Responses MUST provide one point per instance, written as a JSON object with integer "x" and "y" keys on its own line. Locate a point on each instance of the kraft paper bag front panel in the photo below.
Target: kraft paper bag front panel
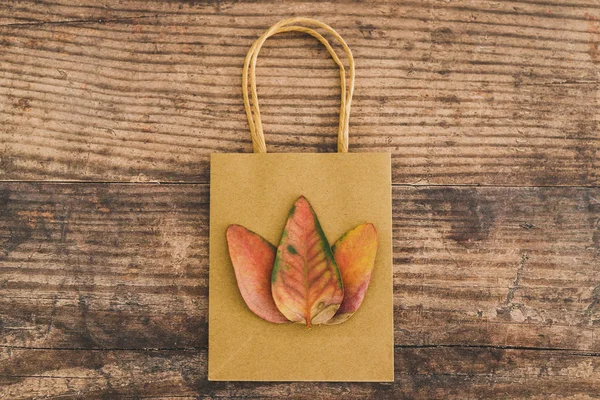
{"x": 257, "y": 191}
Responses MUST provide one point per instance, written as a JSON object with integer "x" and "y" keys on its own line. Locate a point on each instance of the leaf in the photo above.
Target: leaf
{"x": 354, "y": 254}
{"x": 306, "y": 283}
{"x": 252, "y": 257}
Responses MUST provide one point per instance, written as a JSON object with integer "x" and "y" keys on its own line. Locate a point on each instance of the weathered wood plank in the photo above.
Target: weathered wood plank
{"x": 105, "y": 266}
{"x": 103, "y": 286}
{"x": 103, "y": 293}
{"x": 104, "y": 253}
{"x": 26, "y": 374}
{"x": 491, "y": 93}
{"x": 420, "y": 373}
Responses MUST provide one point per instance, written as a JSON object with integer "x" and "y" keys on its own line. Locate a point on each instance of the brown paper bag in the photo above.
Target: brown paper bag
{"x": 257, "y": 191}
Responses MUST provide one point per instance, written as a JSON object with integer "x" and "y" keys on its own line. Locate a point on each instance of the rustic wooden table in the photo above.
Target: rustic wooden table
{"x": 109, "y": 111}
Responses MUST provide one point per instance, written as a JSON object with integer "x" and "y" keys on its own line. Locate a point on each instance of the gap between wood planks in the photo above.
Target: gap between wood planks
{"x": 419, "y": 185}
{"x": 573, "y": 352}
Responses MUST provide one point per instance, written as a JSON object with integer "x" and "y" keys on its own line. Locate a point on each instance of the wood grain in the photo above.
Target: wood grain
{"x": 461, "y": 92}
{"x": 490, "y": 111}
{"x": 103, "y": 292}
{"x": 421, "y": 373}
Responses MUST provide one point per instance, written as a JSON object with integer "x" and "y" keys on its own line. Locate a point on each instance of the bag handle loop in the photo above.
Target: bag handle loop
{"x": 249, "y": 76}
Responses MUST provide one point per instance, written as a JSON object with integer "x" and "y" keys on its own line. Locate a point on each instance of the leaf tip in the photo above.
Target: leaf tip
{"x": 233, "y": 230}
{"x": 302, "y": 200}
{"x": 369, "y": 229}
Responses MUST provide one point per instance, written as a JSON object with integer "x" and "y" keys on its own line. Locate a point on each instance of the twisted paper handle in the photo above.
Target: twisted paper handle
{"x": 249, "y": 76}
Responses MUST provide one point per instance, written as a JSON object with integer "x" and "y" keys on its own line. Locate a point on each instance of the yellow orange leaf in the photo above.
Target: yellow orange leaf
{"x": 354, "y": 254}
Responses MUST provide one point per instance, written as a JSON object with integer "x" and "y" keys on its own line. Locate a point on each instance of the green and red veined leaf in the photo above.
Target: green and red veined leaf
{"x": 306, "y": 283}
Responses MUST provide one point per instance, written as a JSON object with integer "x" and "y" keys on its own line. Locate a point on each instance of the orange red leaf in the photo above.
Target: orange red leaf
{"x": 252, "y": 257}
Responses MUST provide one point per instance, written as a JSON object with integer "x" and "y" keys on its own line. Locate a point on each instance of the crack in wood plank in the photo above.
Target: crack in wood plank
{"x": 515, "y": 285}
{"x": 69, "y": 22}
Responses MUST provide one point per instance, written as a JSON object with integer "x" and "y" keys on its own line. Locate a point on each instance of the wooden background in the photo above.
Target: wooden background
{"x": 109, "y": 111}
